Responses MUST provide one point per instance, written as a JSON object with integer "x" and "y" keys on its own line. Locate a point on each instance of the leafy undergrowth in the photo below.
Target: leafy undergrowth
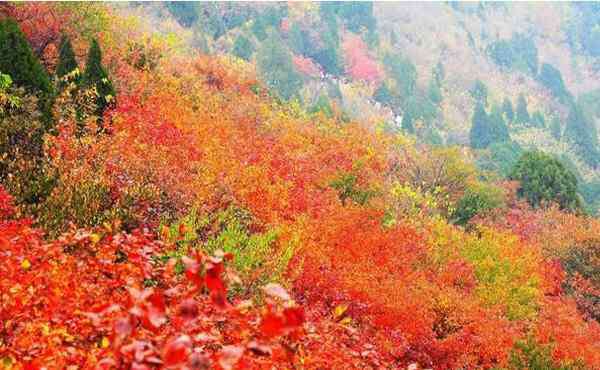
{"x": 96, "y": 299}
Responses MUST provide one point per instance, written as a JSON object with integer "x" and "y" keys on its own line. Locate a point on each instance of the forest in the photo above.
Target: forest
{"x": 302, "y": 185}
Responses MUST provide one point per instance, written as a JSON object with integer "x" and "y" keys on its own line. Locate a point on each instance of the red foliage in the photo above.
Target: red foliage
{"x": 359, "y": 63}
{"x": 6, "y": 204}
{"x": 65, "y": 303}
{"x": 306, "y": 66}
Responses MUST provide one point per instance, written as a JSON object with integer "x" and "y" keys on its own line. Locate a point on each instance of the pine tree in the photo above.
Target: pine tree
{"x": 522, "y": 113}
{"x": 555, "y": 128}
{"x": 581, "y": 132}
{"x": 434, "y": 92}
{"x": 552, "y": 79}
{"x": 276, "y": 68}
{"x": 538, "y": 120}
{"x": 393, "y": 38}
{"x": 479, "y": 92}
{"x": 95, "y": 76}
{"x": 322, "y": 105}
{"x": 243, "y": 48}
{"x": 18, "y": 61}
{"x": 507, "y": 109}
{"x": 438, "y": 73}
{"x": 383, "y": 95}
{"x": 66, "y": 58}
{"x": 407, "y": 123}
{"x": 480, "y": 134}
{"x": 498, "y": 129}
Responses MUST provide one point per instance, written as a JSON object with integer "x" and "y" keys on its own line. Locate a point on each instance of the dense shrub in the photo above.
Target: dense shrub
{"x": 476, "y": 201}
{"x": 544, "y": 179}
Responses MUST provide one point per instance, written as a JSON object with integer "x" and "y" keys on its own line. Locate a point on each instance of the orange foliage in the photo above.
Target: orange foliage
{"x": 201, "y": 132}
{"x": 387, "y": 277}
{"x": 560, "y": 324}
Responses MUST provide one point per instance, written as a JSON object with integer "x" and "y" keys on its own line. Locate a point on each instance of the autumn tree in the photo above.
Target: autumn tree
{"x": 477, "y": 200}
{"x": 96, "y": 77}
{"x": 360, "y": 65}
{"x": 544, "y": 179}
{"x": 21, "y": 144}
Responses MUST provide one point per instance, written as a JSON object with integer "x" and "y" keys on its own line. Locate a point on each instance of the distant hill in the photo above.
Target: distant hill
{"x": 425, "y": 66}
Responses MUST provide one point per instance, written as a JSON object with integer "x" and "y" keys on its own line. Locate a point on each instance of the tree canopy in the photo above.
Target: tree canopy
{"x": 544, "y": 179}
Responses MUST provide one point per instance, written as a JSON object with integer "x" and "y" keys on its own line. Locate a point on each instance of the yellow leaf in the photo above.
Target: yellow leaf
{"x": 107, "y": 226}
{"x": 339, "y": 311}
{"x": 346, "y": 321}
{"x": 26, "y": 265}
{"x": 104, "y": 343}
{"x": 95, "y": 238}
{"x": 7, "y": 362}
{"x": 45, "y": 329}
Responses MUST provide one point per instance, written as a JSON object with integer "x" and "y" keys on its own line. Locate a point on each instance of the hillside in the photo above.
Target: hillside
{"x": 297, "y": 186}
{"x": 377, "y": 62}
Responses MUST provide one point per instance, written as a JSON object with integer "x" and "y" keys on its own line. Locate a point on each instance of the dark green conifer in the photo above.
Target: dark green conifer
{"x": 499, "y": 129}
{"x": 542, "y": 178}
{"x": 95, "y": 76}
{"x": 407, "y": 123}
{"x": 507, "y": 109}
{"x": 555, "y": 128}
{"x": 583, "y": 134}
{"x": 480, "y": 129}
{"x": 18, "y": 61}
{"x": 522, "y": 113}
{"x": 66, "y": 58}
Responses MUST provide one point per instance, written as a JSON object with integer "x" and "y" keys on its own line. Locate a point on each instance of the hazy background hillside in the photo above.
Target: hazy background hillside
{"x": 424, "y": 68}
